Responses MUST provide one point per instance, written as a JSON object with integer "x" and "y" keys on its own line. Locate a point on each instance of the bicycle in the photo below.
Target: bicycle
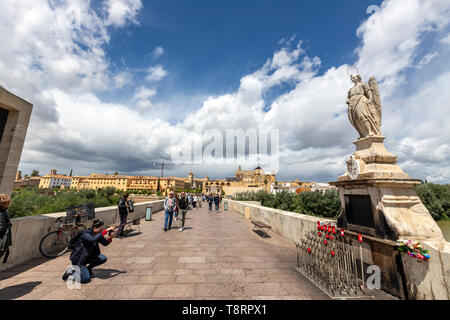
{"x": 55, "y": 243}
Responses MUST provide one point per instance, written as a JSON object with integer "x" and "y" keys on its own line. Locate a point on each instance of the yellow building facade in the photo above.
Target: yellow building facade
{"x": 102, "y": 181}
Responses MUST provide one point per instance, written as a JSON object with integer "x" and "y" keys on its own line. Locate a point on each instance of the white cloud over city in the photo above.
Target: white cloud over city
{"x": 64, "y": 71}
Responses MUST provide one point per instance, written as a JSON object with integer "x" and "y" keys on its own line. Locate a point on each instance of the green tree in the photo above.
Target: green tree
{"x": 34, "y": 201}
{"x": 436, "y": 199}
{"x": 87, "y": 193}
{"x": 35, "y": 173}
{"x": 316, "y": 203}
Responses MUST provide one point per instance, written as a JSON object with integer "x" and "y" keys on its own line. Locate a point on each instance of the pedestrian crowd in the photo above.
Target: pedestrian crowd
{"x": 177, "y": 206}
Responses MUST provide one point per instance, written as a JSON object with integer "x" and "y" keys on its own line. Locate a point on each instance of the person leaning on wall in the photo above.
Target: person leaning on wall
{"x": 123, "y": 214}
{"x": 5, "y": 227}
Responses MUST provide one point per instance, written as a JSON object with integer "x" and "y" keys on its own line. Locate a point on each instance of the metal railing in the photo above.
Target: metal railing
{"x": 333, "y": 260}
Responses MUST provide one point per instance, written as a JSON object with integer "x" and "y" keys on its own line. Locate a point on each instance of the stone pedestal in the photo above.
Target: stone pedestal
{"x": 374, "y": 161}
{"x": 378, "y": 198}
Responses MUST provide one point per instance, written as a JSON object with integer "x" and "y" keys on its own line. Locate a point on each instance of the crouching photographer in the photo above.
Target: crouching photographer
{"x": 86, "y": 252}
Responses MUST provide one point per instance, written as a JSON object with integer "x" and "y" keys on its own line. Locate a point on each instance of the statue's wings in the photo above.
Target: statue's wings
{"x": 376, "y": 99}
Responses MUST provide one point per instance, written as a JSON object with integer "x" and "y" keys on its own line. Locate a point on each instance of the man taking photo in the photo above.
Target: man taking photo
{"x": 86, "y": 255}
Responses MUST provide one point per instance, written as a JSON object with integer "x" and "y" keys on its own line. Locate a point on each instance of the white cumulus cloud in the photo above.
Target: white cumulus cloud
{"x": 119, "y": 12}
{"x": 156, "y": 73}
{"x": 158, "y": 52}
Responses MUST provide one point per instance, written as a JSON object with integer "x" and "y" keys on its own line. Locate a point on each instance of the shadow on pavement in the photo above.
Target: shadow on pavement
{"x": 17, "y": 291}
{"x": 131, "y": 234}
{"x": 262, "y": 234}
{"x": 107, "y": 273}
{"x": 14, "y": 271}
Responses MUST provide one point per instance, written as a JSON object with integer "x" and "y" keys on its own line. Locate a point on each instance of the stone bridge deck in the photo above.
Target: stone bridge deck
{"x": 218, "y": 256}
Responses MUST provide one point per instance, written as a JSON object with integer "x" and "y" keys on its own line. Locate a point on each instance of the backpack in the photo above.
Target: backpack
{"x": 130, "y": 206}
{"x": 75, "y": 241}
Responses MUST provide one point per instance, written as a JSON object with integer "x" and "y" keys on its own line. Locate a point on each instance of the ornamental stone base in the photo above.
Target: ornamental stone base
{"x": 378, "y": 198}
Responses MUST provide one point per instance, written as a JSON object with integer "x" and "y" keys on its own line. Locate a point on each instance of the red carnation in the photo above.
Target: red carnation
{"x": 360, "y": 238}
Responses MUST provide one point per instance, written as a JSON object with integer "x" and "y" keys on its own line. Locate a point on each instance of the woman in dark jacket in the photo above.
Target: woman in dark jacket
{"x": 5, "y": 221}
{"x": 87, "y": 253}
{"x": 5, "y": 226}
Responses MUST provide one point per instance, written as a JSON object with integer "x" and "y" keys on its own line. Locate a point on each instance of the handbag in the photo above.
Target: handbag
{"x": 5, "y": 243}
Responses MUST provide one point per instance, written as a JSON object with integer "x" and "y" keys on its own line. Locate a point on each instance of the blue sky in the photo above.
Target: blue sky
{"x": 210, "y": 45}
{"x": 131, "y": 81}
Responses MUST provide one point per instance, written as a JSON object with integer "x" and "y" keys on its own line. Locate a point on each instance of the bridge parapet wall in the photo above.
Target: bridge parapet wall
{"x": 27, "y": 232}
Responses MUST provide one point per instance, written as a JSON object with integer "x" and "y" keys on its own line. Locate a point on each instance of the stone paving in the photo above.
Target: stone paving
{"x": 218, "y": 256}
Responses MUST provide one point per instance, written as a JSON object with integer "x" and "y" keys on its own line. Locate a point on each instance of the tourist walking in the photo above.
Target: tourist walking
{"x": 200, "y": 201}
{"x": 177, "y": 198}
{"x": 183, "y": 206}
{"x": 194, "y": 201}
{"x": 86, "y": 255}
{"x": 210, "y": 200}
{"x": 170, "y": 205}
{"x": 190, "y": 199}
{"x": 5, "y": 227}
{"x": 217, "y": 202}
{"x": 123, "y": 214}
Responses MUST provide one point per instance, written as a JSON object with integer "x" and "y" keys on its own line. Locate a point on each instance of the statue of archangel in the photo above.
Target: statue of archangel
{"x": 364, "y": 107}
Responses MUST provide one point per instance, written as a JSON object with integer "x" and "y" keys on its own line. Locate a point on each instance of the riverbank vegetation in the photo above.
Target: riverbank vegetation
{"x": 436, "y": 198}
{"x": 32, "y": 201}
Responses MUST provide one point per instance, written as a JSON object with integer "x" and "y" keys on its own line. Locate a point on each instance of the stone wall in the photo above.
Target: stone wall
{"x": 423, "y": 280}
{"x": 290, "y": 225}
{"x": 27, "y": 232}
{"x": 12, "y": 140}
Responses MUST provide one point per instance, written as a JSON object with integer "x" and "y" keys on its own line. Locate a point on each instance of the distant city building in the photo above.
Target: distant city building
{"x": 101, "y": 181}
{"x": 244, "y": 181}
{"x": 295, "y": 186}
{"x": 322, "y": 187}
{"x": 54, "y": 180}
{"x": 23, "y": 183}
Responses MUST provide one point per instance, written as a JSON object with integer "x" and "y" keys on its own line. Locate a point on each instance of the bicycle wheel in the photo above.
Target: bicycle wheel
{"x": 54, "y": 244}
